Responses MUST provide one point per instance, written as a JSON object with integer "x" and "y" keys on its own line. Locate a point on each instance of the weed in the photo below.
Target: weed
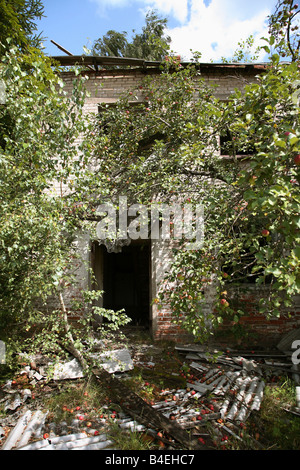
{"x": 78, "y": 397}
{"x": 130, "y": 440}
{"x": 280, "y": 429}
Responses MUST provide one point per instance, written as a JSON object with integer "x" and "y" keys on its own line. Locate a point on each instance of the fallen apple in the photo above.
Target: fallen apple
{"x": 265, "y": 232}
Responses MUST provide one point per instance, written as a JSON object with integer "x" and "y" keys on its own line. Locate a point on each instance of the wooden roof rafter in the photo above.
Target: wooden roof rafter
{"x": 105, "y": 61}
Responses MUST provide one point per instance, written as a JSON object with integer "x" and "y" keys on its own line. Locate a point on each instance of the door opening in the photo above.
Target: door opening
{"x": 125, "y": 279}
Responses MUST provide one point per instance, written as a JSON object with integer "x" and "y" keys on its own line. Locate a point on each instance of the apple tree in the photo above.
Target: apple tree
{"x": 251, "y": 229}
{"x": 161, "y": 142}
{"x": 284, "y": 28}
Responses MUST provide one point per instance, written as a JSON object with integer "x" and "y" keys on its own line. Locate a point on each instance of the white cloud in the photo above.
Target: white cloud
{"x": 216, "y": 29}
{"x": 177, "y": 8}
{"x": 104, "y": 4}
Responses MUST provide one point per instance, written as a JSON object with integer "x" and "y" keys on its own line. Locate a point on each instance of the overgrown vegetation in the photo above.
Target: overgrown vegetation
{"x": 158, "y": 151}
{"x": 279, "y": 429}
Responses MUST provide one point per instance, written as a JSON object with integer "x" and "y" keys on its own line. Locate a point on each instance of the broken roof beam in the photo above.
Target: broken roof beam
{"x": 100, "y": 60}
{"x": 69, "y": 54}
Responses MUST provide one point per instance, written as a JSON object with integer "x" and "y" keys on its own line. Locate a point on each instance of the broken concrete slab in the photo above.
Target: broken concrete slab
{"x": 28, "y": 426}
{"x": 248, "y": 364}
{"x": 68, "y": 370}
{"x": 33, "y": 429}
{"x": 13, "y": 402}
{"x": 133, "y": 425}
{"x": 16, "y": 399}
{"x": 116, "y": 361}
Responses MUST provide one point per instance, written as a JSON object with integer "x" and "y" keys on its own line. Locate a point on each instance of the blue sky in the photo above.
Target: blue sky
{"x": 212, "y": 27}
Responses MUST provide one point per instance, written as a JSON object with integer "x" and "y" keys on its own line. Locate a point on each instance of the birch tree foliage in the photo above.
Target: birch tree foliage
{"x": 41, "y": 157}
{"x": 39, "y": 127}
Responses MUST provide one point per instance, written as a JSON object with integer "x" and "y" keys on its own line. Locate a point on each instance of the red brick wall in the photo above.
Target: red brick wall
{"x": 266, "y": 332}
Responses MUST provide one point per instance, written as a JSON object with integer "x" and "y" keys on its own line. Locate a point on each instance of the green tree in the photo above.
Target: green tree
{"x": 150, "y": 44}
{"x": 18, "y": 22}
{"x": 245, "y": 52}
{"x": 39, "y": 126}
{"x": 112, "y": 44}
{"x": 40, "y": 213}
{"x": 252, "y": 224}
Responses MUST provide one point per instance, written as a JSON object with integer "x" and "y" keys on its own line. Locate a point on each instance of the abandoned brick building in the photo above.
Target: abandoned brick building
{"x": 131, "y": 277}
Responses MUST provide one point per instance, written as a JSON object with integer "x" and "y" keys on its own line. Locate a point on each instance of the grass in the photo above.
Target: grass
{"x": 131, "y": 440}
{"x": 82, "y": 397}
{"x": 91, "y": 402}
{"x": 280, "y": 429}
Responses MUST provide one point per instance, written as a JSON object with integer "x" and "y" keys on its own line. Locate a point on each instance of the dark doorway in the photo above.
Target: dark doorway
{"x": 126, "y": 281}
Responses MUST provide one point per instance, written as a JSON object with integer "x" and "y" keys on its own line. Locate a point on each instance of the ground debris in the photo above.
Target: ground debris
{"x": 143, "y": 412}
{"x": 213, "y": 401}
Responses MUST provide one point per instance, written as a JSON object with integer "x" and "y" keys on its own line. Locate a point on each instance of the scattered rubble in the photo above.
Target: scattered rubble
{"x": 223, "y": 388}
{"x": 113, "y": 361}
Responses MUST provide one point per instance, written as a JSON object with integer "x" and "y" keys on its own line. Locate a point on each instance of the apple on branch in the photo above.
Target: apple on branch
{"x": 297, "y": 160}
